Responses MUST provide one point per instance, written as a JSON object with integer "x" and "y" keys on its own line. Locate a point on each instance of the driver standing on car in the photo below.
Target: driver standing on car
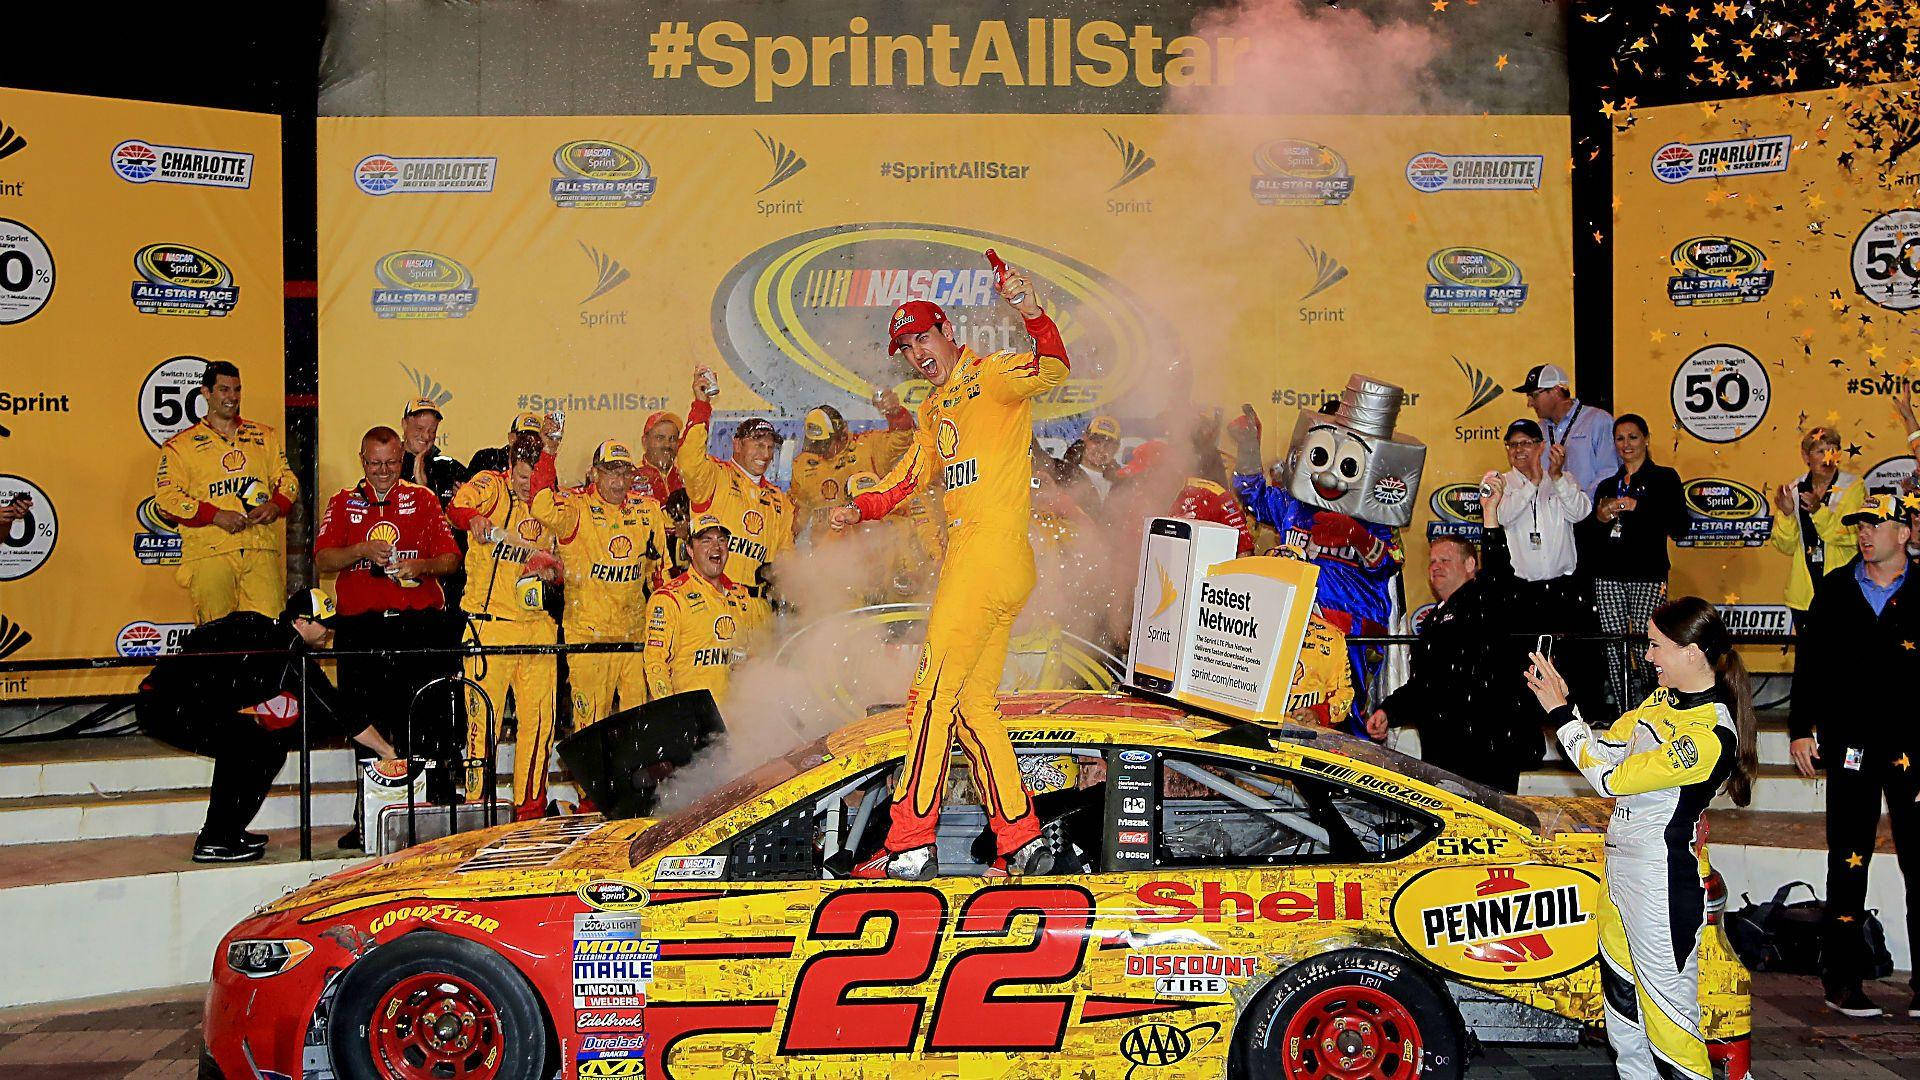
{"x": 975, "y": 427}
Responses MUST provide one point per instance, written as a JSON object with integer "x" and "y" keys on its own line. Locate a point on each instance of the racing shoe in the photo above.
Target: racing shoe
{"x": 914, "y": 864}
{"x": 253, "y": 839}
{"x": 1034, "y": 857}
{"x": 225, "y": 851}
{"x": 1854, "y": 1003}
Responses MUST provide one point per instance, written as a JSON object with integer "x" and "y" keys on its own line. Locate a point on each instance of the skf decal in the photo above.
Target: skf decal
{"x": 1500, "y": 923}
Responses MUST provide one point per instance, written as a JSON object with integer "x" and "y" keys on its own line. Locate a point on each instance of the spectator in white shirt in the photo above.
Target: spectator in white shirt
{"x": 1541, "y": 505}
{"x": 1585, "y": 431}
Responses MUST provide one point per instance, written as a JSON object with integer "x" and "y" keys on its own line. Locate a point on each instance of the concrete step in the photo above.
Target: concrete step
{"x": 132, "y": 763}
{"x": 1779, "y": 788}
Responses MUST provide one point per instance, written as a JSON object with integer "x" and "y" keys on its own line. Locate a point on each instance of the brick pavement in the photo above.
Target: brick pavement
{"x": 157, "y": 1035}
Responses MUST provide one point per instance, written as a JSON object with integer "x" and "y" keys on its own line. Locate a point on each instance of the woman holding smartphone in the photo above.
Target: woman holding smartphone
{"x": 1663, "y": 762}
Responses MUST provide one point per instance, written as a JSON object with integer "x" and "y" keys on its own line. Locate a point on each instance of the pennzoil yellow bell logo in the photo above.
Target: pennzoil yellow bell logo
{"x": 530, "y": 593}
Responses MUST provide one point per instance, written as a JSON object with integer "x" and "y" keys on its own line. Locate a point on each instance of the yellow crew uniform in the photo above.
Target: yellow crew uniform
{"x": 613, "y": 555}
{"x": 757, "y": 514}
{"x": 202, "y": 471}
{"x": 695, "y": 630}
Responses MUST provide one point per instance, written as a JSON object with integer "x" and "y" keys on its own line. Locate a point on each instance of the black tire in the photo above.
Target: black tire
{"x": 521, "y": 1035}
{"x": 1386, "y": 988}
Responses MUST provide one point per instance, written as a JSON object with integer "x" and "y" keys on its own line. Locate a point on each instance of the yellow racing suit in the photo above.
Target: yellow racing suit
{"x": 613, "y": 556}
{"x": 695, "y": 630}
{"x": 976, "y": 431}
{"x": 1322, "y": 679}
{"x": 756, "y": 512}
{"x": 1661, "y": 763}
{"x": 496, "y": 611}
{"x": 820, "y": 480}
{"x": 202, "y": 471}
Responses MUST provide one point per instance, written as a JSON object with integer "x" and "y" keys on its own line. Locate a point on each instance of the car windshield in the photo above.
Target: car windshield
{"x": 1414, "y": 769}
{"x": 709, "y": 807}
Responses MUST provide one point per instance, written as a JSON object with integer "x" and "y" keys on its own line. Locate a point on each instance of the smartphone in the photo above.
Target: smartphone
{"x": 1544, "y": 645}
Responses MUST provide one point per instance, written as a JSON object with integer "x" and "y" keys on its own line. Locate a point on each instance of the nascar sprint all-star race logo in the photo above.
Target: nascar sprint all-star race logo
{"x": 1474, "y": 281}
{"x": 422, "y": 285}
{"x": 594, "y": 172}
{"x": 179, "y": 280}
{"x": 1724, "y": 513}
{"x": 1298, "y": 173}
{"x": 804, "y": 320}
{"x": 1714, "y": 270}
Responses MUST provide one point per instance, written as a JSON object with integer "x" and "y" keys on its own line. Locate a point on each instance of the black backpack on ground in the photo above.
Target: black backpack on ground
{"x": 1778, "y": 936}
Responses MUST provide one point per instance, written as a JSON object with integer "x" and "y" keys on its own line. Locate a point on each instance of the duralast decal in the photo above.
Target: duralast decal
{"x": 1501, "y": 923}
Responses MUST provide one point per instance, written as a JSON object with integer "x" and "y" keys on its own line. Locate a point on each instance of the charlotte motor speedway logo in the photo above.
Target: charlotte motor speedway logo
{"x": 803, "y": 320}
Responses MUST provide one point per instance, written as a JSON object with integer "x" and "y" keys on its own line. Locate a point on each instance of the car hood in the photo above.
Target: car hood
{"x": 552, "y": 856}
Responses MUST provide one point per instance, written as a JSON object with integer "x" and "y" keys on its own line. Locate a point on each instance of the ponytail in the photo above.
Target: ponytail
{"x": 1692, "y": 621}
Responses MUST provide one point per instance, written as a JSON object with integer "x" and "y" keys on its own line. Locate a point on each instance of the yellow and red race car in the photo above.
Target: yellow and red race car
{"x": 1236, "y": 902}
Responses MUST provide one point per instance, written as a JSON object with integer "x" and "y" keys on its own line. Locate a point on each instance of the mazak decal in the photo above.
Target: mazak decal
{"x": 384, "y": 174}
{"x": 1677, "y": 162}
{"x": 1179, "y": 901}
{"x": 1293, "y": 172}
{"x": 1500, "y": 923}
{"x": 1709, "y": 271}
{"x": 176, "y": 279}
{"x": 1473, "y": 281}
{"x": 1431, "y": 172}
{"x": 804, "y": 319}
{"x": 422, "y": 285}
{"x": 139, "y": 162}
{"x": 1724, "y": 513}
{"x": 596, "y": 173}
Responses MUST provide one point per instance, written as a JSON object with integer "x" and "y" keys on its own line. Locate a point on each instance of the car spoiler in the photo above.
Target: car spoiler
{"x": 1235, "y": 731}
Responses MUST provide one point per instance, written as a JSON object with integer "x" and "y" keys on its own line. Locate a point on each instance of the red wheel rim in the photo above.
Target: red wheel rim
{"x": 435, "y": 1026}
{"x": 1350, "y": 1032}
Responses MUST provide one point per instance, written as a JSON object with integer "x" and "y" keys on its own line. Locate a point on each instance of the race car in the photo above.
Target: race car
{"x": 1233, "y": 901}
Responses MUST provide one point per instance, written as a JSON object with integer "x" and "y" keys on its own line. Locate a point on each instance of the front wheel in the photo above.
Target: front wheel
{"x": 432, "y": 1006}
{"x": 1350, "y": 1014}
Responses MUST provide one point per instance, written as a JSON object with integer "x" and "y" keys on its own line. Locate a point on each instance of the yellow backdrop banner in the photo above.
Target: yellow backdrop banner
{"x": 1765, "y": 282}
{"x": 586, "y": 264}
{"x": 136, "y": 240}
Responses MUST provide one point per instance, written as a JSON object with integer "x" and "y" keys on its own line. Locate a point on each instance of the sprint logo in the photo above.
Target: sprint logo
{"x": 611, "y": 274}
{"x": 1327, "y": 270}
{"x": 1481, "y": 388}
{"x": 787, "y": 162}
{"x": 13, "y": 637}
{"x": 1134, "y": 162}
{"x": 428, "y": 387}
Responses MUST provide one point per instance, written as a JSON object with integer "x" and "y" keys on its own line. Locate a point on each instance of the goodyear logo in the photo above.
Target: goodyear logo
{"x": 596, "y": 173}
{"x": 1501, "y": 923}
{"x": 805, "y": 319}
{"x": 1473, "y": 281}
{"x": 422, "y": 285}
{"x": 176, "y": 279}
{"x": 1724, "y": 513}
{"x": 158, "y": 541}
{"x": 1714, "y": 270}
{"x": 1293, "y": 172}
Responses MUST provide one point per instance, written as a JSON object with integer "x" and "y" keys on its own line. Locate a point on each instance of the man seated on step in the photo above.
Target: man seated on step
{"x": 244, "y": 711}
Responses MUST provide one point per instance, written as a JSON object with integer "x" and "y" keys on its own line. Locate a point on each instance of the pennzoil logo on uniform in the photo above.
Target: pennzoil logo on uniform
{"x": 1501, "y": 923}
{"x": 597, "y": 173}
{"x": 176, "y": 279}
{"x": 1294, "y": 172}
{"x": 422, "y": 285}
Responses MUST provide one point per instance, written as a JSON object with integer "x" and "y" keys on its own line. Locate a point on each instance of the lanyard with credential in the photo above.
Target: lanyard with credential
{"x": 1572, "y": 419}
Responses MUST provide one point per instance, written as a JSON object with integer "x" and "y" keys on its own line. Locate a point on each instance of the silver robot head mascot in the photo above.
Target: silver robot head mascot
{"x": 1351, "y": 460}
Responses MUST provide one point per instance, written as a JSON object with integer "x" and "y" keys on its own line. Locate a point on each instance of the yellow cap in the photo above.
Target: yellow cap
{"x": 824, "y": 422}
{"x": 1105, "y": 427}
{"x": 420, "y": 405}
{"x": 613, "y": 452}
{"x": 527, "y": 421}
{"x": 861, "y": 483}
{"x": 708, "y": 521}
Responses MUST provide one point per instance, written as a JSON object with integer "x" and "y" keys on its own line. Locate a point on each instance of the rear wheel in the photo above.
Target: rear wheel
{"x": 432, "y": 1006}
{"x": 1347, "y": 1015}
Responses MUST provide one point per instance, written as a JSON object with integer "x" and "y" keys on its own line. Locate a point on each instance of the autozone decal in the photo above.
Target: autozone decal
{"x": 1503, "y": 916}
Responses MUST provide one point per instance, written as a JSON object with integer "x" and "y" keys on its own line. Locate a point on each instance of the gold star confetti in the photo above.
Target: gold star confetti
{"x": 1814, "y": 201}
{"x": 1902, "y": 761}
{"x": 1439, "y": 5}
{"x": 1878, "y": 352}
{"x": 1854, "y": 860}
{"x": 1499, "y": 64}
{"x": 1699, "y": 43}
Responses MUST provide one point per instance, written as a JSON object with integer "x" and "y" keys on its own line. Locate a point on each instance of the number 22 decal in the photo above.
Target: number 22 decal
{"x": 970, "y": 1012}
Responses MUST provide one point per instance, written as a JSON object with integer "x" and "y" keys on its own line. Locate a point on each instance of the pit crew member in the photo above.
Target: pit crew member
{"x": 757, "y": 514}
{"x": 698, "y": 623}
{"x": 831, "y": 455}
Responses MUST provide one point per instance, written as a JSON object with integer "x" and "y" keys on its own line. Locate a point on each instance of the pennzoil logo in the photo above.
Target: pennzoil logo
{"x": 804, "y": 320}
{"x": 1501, "y": 923}
{"x": 176, "y": 279}
{"x": 1298, "y": 173}
{"x": 596, "y": 173}
{"x": 1473, "y": 281}
{"x": 422, "y": 285}
{"x": 1713, "y": 270}
{"x": 1724, "y": 513}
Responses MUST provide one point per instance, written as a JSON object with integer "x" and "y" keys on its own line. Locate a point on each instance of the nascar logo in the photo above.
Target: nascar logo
{"x": 889, "y": 286}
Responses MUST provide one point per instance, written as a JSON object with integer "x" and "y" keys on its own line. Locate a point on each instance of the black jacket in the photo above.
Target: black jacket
{"x": 1640, "y": 553}
{"x": 443, "y": 474}
{"x": 225, "y": 685}
{"x": 1847, "y": 667}
{"x": 1465, "y": 693}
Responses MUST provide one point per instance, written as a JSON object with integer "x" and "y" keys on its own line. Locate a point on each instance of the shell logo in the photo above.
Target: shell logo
{"x": 620, "y": 547}
{"x": 753, "y": 522}
{"x": 528, "y": 529}
{"x": 947, "y": 439}
{"x": 386, "y": 533}
{"x": 233, "y": 461}
{"x": 1501, "y": 923}
{"x": 723, "y": 628}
